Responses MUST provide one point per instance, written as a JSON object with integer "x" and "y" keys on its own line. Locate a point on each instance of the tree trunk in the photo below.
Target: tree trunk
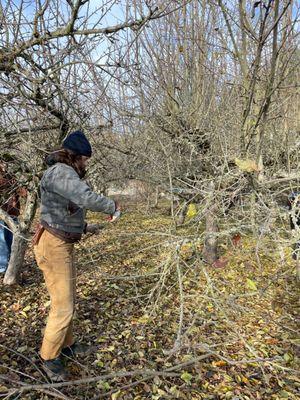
{"x": 20, "y": 240}
{"x": 155, "y": 205}
{"x": 210, "y": 251}
{"x": 18, "y": 250}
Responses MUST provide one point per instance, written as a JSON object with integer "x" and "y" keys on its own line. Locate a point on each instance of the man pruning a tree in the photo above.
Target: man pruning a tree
{"x": 64, "y": 199}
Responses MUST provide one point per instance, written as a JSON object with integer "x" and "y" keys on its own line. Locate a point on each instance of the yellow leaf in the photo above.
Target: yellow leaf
{"x": 144, "y": 319}
{"x": 225, "y": 388}
{"x": 186, "y": 377}
{"x": 247, "y": 165}
{"x": 192, "y": 211}
{"x": 186, "y": 251}
{"x": 116, "y": 395}
{"x": 24, "y": 314}
{"x": 3, "y": 389}
{"x": 251, "y": 284}
{"x": 107, "y": 349}
{"x": 287, "y": 357}
{"x": 27, "y": 308}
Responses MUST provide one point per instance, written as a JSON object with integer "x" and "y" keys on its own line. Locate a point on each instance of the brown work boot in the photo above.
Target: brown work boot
{"x": 55, "y": 370}
{"x": 77, "y": 349}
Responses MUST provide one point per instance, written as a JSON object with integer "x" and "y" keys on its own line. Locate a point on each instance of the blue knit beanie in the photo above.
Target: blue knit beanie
{"x": 78, "y": 143}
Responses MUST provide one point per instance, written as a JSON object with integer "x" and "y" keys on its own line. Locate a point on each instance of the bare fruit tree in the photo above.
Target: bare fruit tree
{"x": 52, "y": 56}
{"x": 213, "y": 93}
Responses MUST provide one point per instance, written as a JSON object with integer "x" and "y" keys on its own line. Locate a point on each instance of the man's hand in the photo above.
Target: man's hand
{"x": 94, "y": 228}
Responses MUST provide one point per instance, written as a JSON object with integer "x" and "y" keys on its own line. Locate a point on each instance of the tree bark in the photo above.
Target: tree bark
{"x": 182, "y": 214}
{"x": 20, "y": 239}
{"x": 210, "y": 250}
{"x": 18, "y": 250}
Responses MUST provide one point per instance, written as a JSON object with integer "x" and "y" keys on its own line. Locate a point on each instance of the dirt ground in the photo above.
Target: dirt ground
{"x": 165, "y": 325}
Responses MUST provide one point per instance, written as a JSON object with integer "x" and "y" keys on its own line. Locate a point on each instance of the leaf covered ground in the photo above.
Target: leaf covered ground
{"x": 165, "y": 325}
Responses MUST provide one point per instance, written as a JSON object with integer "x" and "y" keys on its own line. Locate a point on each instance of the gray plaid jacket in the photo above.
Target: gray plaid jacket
{"x": 65, "y": 199}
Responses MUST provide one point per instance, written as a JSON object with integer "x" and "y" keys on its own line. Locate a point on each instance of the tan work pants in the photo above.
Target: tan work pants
{"x": 56, "y": 259}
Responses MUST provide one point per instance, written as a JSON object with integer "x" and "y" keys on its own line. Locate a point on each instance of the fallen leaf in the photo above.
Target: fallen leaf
{"x": 251, "y": 284}
{"x": 186, "y": 377}
{"x": 220, "y": 262}
{"x": 247, "y": 165}
{"x": 220, "y": 363}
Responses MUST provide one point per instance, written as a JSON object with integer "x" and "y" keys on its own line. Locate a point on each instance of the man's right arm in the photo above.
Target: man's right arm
{"x": 66, "y": 182}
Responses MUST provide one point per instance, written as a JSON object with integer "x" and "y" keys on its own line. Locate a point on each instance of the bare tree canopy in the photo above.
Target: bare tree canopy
{"x": 192, "y": 111}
